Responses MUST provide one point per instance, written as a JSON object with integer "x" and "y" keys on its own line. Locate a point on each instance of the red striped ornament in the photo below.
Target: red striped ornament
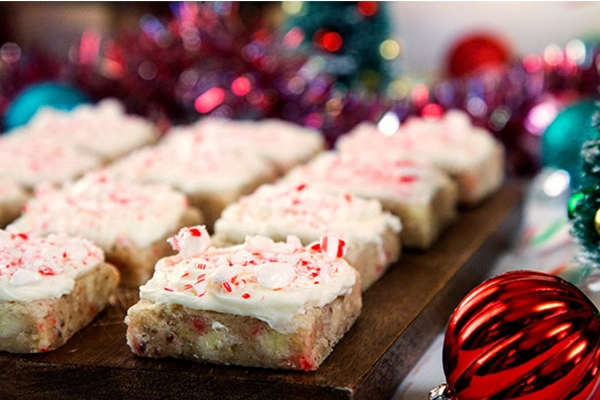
{"x": 522, "y": 335}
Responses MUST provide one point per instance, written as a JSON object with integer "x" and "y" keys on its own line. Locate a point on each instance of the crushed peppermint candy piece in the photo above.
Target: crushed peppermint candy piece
{"x": 24, "y": 277}
{"x": 190, "y": 241}
{"x": 224, "y": 274}
{"x": 200, "y": 284}
{"x": 259, "y": 243}
{"x": 293, "y": 241}
{"x": 332, "y": 246}
{"x": 275, "y": 275}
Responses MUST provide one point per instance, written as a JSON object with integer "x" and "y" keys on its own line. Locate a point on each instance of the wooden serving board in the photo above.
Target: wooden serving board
{"x": 402, "y": 314}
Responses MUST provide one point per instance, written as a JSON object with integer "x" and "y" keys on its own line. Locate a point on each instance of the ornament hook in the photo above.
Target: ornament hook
{"x": 442, "y": 392}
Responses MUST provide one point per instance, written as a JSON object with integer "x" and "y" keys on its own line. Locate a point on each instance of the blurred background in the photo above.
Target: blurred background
{"x": 527, "y": 71}
{"x": 427, "y": 29}
{"x": 430, "y": 28}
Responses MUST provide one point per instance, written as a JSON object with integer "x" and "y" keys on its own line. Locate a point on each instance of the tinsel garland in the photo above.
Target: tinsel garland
{"x": 202, "y": 62}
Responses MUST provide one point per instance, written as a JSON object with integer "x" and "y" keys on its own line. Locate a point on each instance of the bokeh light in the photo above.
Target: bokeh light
{"x": 89, "y": 47}
{"x": 293, "y": 38}
{"x": 432, "y": 111}
{"x": 398, "y": 89}
{"x": 296, "y": 85}
{"x": 389, "y": 123}
{"x": 420, "y": 94}
{"x": 330, "y": 41}
{"x": 147, "y": 70}
{"x": 532, "y": 63}
{"x": 476, "y": 106}
{"x": 209, "y": 100}
{"x": 292, "y": 7}
{"x": 499, "y": 118}
{"x": 314, "y": 120}
{"x": 367, "y": 8}
{"x": 556, "y": 183}
{"x": 576, "y": 52}
{"x": 553, "y": 55}
{"x": 540, "y": 117}
{"x": 241, "y": 86}
{"x": 334, "y": 107}
{"x": 389, "y": 49}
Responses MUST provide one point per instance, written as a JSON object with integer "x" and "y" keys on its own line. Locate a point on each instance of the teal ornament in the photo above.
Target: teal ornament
{"x": 563, "y": 139}
{"x": 34, "y": 97}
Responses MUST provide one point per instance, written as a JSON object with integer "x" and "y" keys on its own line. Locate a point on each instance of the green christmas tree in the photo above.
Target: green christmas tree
{"x": 584, "y": 204}
{"x": 354, "y": 38}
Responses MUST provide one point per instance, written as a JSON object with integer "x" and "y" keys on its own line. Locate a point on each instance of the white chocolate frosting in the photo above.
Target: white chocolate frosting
{"x": 191, "y": 167}
{"x": 384, "y": 179}
{"x": 451, "y": 142}
{"x": 267, "y": 280}
{"x": 284, "y": 143}
{"x": 34, "y": 159}
{"x": 103, "y": 129}
{"x": 104, "y": 210}
{"x": 36, "y": 268}
{"x": 307, "y": 212}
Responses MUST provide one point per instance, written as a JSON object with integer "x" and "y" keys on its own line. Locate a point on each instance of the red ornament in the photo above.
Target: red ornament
{"x": 523, "y": 335}
{"x": 475, "y": 52}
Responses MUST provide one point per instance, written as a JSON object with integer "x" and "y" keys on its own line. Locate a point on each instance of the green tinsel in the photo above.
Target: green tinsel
{"x": 585, "y": 203}
{"x": 359, "y": 60}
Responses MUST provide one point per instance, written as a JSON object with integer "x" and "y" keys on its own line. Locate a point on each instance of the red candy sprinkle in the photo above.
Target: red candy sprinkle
{"x": 227, "y": 287}
{"x": 333, "y": 246}
{"x": 257, "y": 330}
{"x": 199, "y": 323}
{"x": 167, "y": 289}
{"x": 246, "y": 295}
{"x": 306, "y": 364}
{"x": 407, "y": 179}
{"x": 301, "y": 187}
{"x": 195, "y": 232}
{"x": 46, "y": 271}
{"x": 21, "y": 235}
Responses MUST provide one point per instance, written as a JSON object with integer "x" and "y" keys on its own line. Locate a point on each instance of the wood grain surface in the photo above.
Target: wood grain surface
{"x": 402, "y": 314}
